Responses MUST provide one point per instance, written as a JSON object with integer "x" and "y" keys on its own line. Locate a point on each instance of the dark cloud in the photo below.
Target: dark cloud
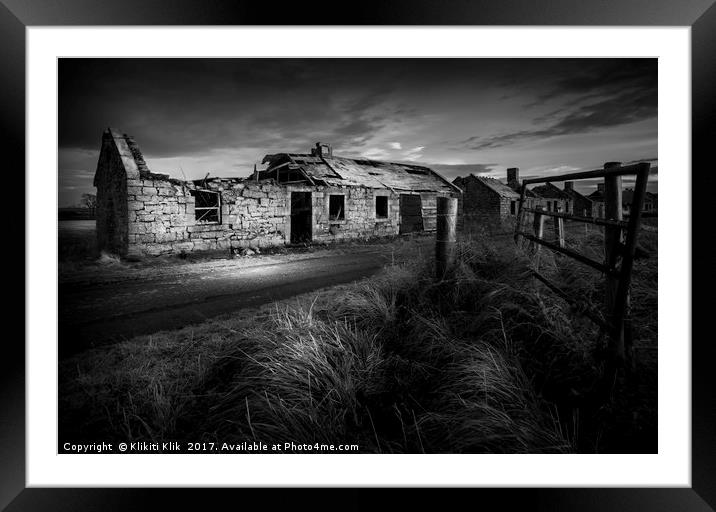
{"x": 605, "y": 77}
{"x": 573, "y": 81}
{"x": 621, "y": 108}
{"x": 593, "y": 95}
{"x": 185, "y": 106}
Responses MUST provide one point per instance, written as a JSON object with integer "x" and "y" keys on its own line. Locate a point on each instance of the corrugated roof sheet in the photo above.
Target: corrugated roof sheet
{"x": 339, "y": 171}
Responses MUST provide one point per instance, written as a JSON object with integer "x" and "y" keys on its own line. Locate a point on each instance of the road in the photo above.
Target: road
{"x": 118, "y": 304}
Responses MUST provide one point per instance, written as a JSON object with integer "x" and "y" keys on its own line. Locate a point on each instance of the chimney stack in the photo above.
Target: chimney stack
{"x": 600, "y": 187}
{"x": 568, "y": 185}
{"x": 322, "y": 149}
{"x": 513, "y": 177}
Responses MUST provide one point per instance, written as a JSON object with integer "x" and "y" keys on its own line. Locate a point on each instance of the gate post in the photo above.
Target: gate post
{"x": 622, "y": 310}
{"x": 559, "y": 228}
{"x": 538, "y": 226}
{"x": 445, "y": 235}
{"x": 612, "y": 243}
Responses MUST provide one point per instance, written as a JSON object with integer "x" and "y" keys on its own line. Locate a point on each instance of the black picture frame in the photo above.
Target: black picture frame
{"x": 700, "y": 15}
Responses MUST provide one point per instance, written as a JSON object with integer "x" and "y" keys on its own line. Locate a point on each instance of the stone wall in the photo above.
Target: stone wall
{"x": 111, "y": 213}
{"x": 162, "y": 220}
{"x": 580, "y": 206}
{"x": 162, "y": 216}
{"x": 481, "y": 208}
{"x": 359, "y": 220}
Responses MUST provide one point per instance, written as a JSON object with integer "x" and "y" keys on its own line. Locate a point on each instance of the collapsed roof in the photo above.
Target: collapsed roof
{"x": 125, "y": 148}
{"x": 339, "y": 171}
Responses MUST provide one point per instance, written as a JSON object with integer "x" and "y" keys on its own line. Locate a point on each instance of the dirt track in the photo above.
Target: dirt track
{"x": 106, "y": 304}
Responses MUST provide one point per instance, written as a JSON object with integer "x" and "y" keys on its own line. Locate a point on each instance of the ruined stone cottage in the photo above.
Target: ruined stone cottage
{"x": 649, "y": 203}
{"x": 579, "y": 204}
{"x": 532, "y": 199}
{"x": 485, "y": 202}
{"x": 597, "y": 199}
{"x": 554, "y": 198}
{"x": 313, "y": 197}
{"x": 488, "y": 202}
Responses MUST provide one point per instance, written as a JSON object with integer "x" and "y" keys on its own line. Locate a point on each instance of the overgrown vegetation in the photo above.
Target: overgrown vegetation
{"x": 486, "y": 360}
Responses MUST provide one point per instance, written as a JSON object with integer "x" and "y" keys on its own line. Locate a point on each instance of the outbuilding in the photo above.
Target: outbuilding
{"x": 579, "y": 204}
{"x": 485, "y": 202}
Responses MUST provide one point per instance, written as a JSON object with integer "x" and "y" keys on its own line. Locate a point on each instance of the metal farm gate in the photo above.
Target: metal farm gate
{"x": 620, "y": 243}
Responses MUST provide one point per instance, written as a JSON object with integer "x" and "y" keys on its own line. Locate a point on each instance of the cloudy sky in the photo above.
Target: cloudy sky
{"x": 221, "y": 116}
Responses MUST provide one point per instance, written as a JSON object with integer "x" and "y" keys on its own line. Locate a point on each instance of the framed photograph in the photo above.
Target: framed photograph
{"x": 423, "y": 255}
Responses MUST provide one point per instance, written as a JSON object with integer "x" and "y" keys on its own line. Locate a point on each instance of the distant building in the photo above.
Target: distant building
{"x": 513, "y": 181}
{"x": 597, "y": 198}
{"x": 554, "y": 198}
{"x": 578, "y": 204}
{"x": 485, "y": 201}
{"x": 628, "y": 198}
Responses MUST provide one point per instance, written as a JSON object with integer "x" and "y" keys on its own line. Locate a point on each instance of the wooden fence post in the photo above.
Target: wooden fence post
{"x": 446, "y": 234}
{"x": 520, "y": 214}
{"x": 559, "y": 228}
{"x": 612, "y": 251}
{"x": 538, "y": 226}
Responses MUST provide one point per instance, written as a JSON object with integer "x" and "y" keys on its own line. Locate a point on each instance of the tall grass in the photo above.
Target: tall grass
{"x": 312, "y": 378}
{"x": 483, "y": 361}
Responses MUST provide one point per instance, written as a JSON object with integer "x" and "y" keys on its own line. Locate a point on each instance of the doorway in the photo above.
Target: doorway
{"x": 301, "y": 217}
{"x": 411, "y": 213}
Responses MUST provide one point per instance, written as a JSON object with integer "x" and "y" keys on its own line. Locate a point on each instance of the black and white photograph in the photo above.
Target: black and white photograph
{"x": 357, "y": 255}
{"x": 302, "y": 254}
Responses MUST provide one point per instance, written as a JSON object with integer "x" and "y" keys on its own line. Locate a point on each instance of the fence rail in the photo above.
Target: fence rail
{"x": 586, "y": 309}
{"x": 612, "y": 171}
{"x": 578, "y": 218}
{"x": 572, "y": 254}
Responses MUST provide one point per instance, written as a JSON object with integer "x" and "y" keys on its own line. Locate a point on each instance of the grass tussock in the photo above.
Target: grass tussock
{"x": 485, "y": 360}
